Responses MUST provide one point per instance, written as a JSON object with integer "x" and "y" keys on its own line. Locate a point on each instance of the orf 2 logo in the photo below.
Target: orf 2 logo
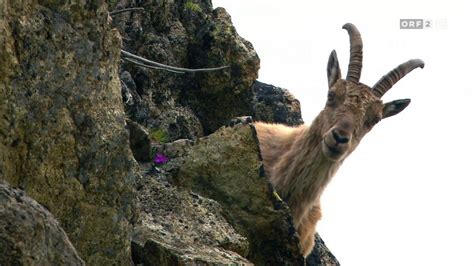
{"x": 412, "y": 24}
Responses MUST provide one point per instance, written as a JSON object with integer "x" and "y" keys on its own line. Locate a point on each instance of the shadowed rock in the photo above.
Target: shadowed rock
{"x": 140, "y": 141}
{"x": 29, "y": 234}
{"x": 275, "y": 105}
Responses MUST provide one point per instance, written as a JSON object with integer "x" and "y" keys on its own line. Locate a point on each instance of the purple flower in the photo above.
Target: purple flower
{"x": 160, "y": 158}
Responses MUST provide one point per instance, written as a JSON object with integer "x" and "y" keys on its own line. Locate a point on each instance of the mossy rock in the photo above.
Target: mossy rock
{"x": 226, "y": 167}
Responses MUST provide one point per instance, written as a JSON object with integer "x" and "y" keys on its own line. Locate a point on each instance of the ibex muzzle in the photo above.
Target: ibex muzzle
{"x": 300, "y": 161}
{"x": 336, "y": 142}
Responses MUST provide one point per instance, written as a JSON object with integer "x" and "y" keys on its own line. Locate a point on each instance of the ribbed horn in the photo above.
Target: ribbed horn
{"x": 355, "y": 61}
{"x": 392, "y": 77}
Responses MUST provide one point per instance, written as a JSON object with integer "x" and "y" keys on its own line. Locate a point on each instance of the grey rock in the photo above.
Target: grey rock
{"x": 176, "y": 149}
{"x": 275, "y": 105}
{"x": 240, "y": 120}
{"x": 321, "y": 255}
{"x": 129, "y": 90}
{"x": 29, "y": 234}
{"x": 179, "y": 123}
{"x": 178, "y": 227}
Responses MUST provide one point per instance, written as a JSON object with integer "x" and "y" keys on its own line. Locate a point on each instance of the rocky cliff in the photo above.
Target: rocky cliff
{"x": 62, "y": 121}
{"x": 75, "y": 118}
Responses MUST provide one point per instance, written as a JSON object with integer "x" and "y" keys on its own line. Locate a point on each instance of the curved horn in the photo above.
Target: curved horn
{"x": 355, "y": 61}
{"x": 392, "y": 77}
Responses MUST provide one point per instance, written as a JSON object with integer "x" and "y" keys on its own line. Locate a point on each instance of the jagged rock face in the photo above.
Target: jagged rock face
{"x": 29, "y": 234}
{"x": 321, "y": 255}
{"x": 187, "y": 34}
{"x": 275, "y": 105}
{"x": 62, "y": 124}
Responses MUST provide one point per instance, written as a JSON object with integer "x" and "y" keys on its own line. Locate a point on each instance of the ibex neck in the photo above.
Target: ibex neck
{"x": 304, "y": 171}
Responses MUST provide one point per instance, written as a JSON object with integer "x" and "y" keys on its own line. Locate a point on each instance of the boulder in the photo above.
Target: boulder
{"x": 275, "y": 105}
{"x": 29, "y": 234}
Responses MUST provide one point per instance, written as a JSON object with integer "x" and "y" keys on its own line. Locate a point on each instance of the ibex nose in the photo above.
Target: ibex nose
{"x": 342, "y": 132}
{"x": 341, "y": 136}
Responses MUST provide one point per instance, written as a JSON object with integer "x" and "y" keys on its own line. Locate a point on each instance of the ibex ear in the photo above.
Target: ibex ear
{"x": 333, "y": 70}
{"x": 394, "y": 107}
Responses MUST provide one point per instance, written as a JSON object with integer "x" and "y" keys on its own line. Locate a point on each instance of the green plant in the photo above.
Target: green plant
{"x": 158, "y": 135}
{"x": 193, "y": 7}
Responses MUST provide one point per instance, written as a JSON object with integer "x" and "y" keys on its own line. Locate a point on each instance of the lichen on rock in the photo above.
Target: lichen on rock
{"x": 62, "y": 124}
{"x": 178, "y": 227}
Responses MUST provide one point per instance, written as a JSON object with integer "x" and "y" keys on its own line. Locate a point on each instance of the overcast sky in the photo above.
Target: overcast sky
{"x": 406, "y": 195}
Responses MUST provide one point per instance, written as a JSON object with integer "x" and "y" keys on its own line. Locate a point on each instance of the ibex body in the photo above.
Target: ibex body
{"x": 300, "y": 161}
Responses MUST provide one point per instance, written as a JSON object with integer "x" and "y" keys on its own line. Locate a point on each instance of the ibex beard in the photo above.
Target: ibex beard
{"x": 300, "y": 161}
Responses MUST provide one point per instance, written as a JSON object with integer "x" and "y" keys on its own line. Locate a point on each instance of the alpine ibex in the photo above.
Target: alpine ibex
{"x": 300, "y": 161}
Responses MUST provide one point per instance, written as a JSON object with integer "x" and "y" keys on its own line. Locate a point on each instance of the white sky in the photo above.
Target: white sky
{"x": 406, "y": 195}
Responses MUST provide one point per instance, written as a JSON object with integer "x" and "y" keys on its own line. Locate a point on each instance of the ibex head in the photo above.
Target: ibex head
{"x": 353, "y": 108}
